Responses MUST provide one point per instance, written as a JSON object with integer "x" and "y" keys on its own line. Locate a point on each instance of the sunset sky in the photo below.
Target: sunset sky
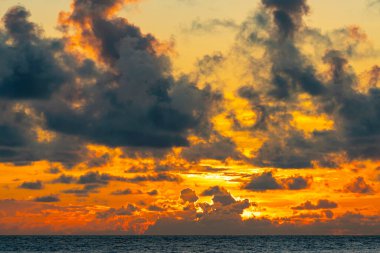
{"x": 190, "y": 117}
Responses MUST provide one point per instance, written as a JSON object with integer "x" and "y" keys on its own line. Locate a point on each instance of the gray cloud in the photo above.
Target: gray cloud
{"x": 155, "y": 208}
{"x": 214, "y": 191}
{"x": 92, "y": 181}
{"x": 144, "y": 107}
{"x": 64, "y": 179}
{"x": 36, "y": 185}
{"x": 112, "y": 212}
{"x": 33, "y": 69}
{"x": 84, "y": 191}
{"x": 220, "y": 195}
{"x": 97, "y": 178}
{"x": 91, "y": 177}
{"x": 189, "y": 195}
{"x": 29, "y": 66}
{"x": 160, "y": 177}
{"x": 135, "y": 102}
{"x": 210, "y": 25}
{"x": 263, "y": 182}
{"x": 225, "y": 219}
{"x": 217, "y": 148}
{"x": 372, "y": 3}
{"x": 267, "y": 181}
{"x": 359, "y": 185}
{"x": 47, "y": 199}
{"x": 322, "y": 204}
{"x": 122, "y": 192}
{"x": 142, "y": 104}
{"x": 53, "y": 170}
{"x": 348, "y": 223}
{"x": 297, "y": 183}
{"x": 355, "y": 113}
{"x": 153, "y": 193}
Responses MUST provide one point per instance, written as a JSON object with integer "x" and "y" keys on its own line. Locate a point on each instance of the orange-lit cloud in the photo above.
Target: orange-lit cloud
{"x": 98, "y": 135}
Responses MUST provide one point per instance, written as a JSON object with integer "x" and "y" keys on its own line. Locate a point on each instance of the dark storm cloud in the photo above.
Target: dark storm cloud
{"x": 98, "y": 161}
{"x": 17, "y": 25}
{"x": 133, "y": 100}
{"x": 189, "y": 195}
{"x": 136, "y": 101}
{"x": 137, "y": 170}
{"x": 19, "y": 142}
{"x": 214, "y": 191}
{"x": 84, "y": 191}
{"x": 328, "y": 213}
{"x": 153, "y": 193}
{"x": 289, "y": 152}
{"x": 47, "y": 199}
{"x": 296, "y": 183}
{"x": 92, "y": 177}
{"x": 86, "y": 8}
{"x": 29, "y": 66}
{"x": 224, "y": 210}
{"x": 289, "y": 6}
{"x": 11, "y": 137}
{"x": 267, "y": 181}
{"x": 37, "y": 185}
{"x": 224, "y": 206}
{"x": 126, "y": 123}
{"x": 356, "y": 114}
{"x": 224, "y": 199}
{"x": 15, "y": 134}
{"x": 64, "y": 179}
{"x": 92, "y": 181}
{"x": 155, "y": 208}
{"x": 220, "y": 195}
{"x": 32, "y": 70}
{"x": 263, "y": 182}
{"x": 122, "y": 192}
{"x": 53, "y": 171}
{"x": 110, "y": 32}
{"x": 287, "y": 14}
{"x": 112, "y": 212}
{"x": 360, "y": 186}
{"x": 322, "y": 204}
{"x": 291, "y": 72}
{"x": 375, "y": 76}
{"x": 217, "y": 148}
{"x": 97, "y": 178}
{"x": 162, "y": 168}
{"x": 160, "y": 177}
{"x": 348, "y": 223}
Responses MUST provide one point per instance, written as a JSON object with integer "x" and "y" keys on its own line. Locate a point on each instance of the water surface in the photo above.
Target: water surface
{"x": 189, "y": 244}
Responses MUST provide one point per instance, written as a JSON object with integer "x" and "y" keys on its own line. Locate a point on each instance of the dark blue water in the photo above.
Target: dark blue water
{"x": 189, "y": 244}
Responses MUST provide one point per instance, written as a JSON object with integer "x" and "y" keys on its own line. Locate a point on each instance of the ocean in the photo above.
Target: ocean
{"x": 189, "y": 244}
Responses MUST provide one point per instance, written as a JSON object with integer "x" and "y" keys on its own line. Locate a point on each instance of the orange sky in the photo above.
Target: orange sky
{"x": 259, "y": 122}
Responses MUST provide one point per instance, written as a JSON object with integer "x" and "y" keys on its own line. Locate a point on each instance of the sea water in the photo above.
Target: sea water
{"x": 189, "y": 244}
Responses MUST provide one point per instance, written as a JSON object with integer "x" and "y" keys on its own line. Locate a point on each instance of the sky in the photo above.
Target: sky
{"x": 184, "y": 117}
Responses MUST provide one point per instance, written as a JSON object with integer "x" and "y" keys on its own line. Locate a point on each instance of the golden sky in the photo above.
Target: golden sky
{"x": 189, "y": 117}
